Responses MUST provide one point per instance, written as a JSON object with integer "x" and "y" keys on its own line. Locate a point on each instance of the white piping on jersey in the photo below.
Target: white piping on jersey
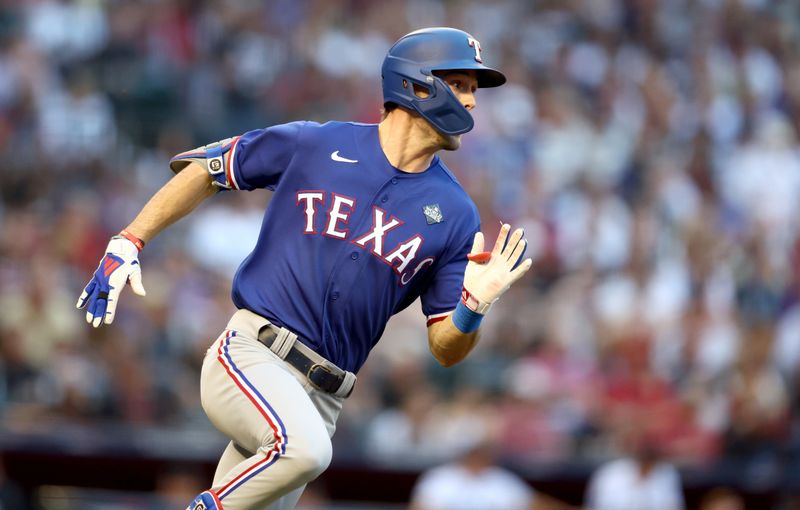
{"x": 231, "y": 162}
{"x": 437, "y": 315}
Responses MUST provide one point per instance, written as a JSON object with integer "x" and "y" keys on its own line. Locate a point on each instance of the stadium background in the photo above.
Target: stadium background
{"x": 650, "y": 149}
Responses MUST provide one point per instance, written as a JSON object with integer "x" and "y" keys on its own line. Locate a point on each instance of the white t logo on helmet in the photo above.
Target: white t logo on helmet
{"x": 475, "y": 44}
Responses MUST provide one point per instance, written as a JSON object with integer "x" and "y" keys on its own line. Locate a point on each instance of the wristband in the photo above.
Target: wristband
{"x": 132, "y": 238}
{"x": 466, "y": 320}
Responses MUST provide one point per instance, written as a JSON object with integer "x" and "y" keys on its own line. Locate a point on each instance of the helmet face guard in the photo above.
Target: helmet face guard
{"x": 413, "y": 59}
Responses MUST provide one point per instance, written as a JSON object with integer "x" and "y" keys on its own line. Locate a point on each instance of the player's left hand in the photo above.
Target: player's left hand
{"x": 119, "y": 266}
{"x": 490, "y": 274}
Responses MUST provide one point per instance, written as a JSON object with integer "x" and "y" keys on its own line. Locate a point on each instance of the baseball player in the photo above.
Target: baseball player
{"x": 364, "y": 220}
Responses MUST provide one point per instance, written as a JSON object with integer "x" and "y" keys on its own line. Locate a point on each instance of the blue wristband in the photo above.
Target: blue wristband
{"x": 465, "y": 320}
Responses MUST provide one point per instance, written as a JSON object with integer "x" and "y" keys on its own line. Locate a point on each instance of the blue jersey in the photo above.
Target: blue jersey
{"x": 347, "y": 239}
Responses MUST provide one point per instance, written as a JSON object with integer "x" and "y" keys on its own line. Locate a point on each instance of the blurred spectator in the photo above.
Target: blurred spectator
{"x": 722, "y": 499}
{"x": 475, "y": 482}
{"x": 759, "y": 402}
{"x": 425, "y": 429}
{"x": 175, "y": 486}
{"x": 76, "y": 125}
{"x": 641, "y": 479}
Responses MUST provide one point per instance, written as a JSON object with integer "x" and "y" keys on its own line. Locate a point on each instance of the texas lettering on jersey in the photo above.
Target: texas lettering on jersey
{"x": 399, "y": 258}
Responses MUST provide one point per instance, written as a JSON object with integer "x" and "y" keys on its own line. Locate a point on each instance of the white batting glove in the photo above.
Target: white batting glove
{"x": 119, "y": 266}
{"x": 490, "y": 274}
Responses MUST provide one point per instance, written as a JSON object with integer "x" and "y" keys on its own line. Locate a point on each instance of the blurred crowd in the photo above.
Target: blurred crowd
{"x": 650, "y": 148}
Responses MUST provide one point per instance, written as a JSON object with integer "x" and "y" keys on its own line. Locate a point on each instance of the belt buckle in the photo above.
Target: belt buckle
{"x": 312, "y": 369}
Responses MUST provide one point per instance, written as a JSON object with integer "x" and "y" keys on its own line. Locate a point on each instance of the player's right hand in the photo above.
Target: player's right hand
{"x": 119, "y": 266}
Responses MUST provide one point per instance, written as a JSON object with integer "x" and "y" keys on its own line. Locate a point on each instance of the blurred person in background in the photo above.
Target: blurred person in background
{"x": 759, "y": 406}
{"x": 427, "y": 427}
{"x": 642, "y": 479}
{"x": 403, "y": 435}
{"x": 476, "y": 482}
{"x": 722, "y": 499}
{"x": 176, "y": 485}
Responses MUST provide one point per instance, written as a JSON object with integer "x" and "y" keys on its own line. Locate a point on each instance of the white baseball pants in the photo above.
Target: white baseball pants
{"x": 265, "y": 406}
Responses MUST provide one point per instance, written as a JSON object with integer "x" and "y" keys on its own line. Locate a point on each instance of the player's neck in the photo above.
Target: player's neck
{"x": 408, "y": 142}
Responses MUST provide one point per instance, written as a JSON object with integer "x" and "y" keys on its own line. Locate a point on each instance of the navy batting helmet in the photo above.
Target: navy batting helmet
{"x": 414, "y": 58}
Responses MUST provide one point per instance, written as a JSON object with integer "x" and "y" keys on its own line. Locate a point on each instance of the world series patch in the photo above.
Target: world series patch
{"x": 432, "y": 214}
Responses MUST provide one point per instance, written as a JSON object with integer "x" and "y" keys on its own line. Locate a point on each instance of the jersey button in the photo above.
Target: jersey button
{"x": 394, "y": 180}
{"x": 384, "y": 199}
{"x": 354, "y": 255}
{"x": 334, "y": 296}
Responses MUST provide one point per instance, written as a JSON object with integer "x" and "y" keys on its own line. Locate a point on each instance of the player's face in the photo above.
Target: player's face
{"x": 463, "y": 84}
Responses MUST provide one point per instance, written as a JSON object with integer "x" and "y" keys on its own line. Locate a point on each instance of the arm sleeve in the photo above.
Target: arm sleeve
{"x": 444, "y": 292}
{"x": 256, "y": 159}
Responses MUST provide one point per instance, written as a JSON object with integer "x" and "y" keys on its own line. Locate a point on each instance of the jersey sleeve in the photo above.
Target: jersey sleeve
{"x": 444, "y": 292}
{"x": 256, "y": 159}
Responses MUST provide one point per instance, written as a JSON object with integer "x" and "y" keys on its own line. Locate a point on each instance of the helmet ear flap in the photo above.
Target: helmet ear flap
{"x": 441, "y": 108}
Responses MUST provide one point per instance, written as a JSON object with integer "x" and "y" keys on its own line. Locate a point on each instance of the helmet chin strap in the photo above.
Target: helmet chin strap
{"x": 443, "y": 110}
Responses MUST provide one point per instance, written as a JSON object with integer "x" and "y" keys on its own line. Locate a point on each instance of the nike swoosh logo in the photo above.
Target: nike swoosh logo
{"x": 336, "y": 157}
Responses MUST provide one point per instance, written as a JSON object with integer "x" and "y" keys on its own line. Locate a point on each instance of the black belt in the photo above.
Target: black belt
{"x": 322, "y": 377}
